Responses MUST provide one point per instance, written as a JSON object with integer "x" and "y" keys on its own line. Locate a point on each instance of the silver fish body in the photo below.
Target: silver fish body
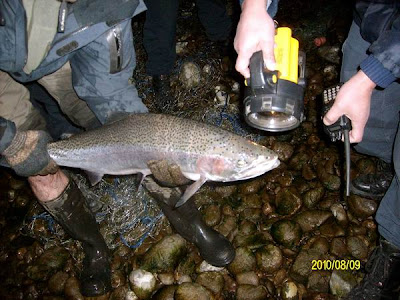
{"x": 203, "y": 152}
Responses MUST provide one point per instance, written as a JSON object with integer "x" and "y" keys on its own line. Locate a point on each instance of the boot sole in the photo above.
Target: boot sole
{"x": 363, "y": 194}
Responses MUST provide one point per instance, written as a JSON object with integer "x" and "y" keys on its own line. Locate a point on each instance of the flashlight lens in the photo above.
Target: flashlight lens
{"x": 273, "y": 121}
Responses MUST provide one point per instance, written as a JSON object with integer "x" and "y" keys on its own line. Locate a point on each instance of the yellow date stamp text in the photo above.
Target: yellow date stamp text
{"x": 330, "y": 265}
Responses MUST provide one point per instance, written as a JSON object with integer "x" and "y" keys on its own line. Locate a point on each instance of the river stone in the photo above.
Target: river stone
{"x": 251, "y": 186}
{"x": 143, "y": 283}
{"x": 56, "y": 283}
{"x": 339, "y": 247}
{"x": 166, "y": 278}
{"x": 357, "y": 248}
{"x": 298, "y": 161}
{"x": 287, "y": 202}
{"x": 311, "y": 219}
{"x": 253, "y": 241}
{"x": 227, "y": 225}
{"x": 341, "y": 283}
{"x": 212, "y": 215}
{"x": 192, "y": 291}
{"x": 252, "y": 214}
{"x": 251, "y": 292}
{"x": 312, "y": 197}
{"x": 165, "y": 293}
{"x": 247, "y": 227}
{"x": 269, "y": 258}
{"x": 330, "y": 53}
{"x": 165, "y": 254}
{"x": 339, "y": 213}
{"x": 361, "y": 207}
{"x": 319, "y": 281}
{"x": 226, "y": 190}
{"x": 213, "y": 281}
{"x": 320, "y": 244}
{"x": 190, "y": 75}
{"x": 286, "y": 233}
{"x": 119, "y": 293}
{"x": 251, "y": 201}
{"x": 366, "y": 166}
{"x": 331, "y": 230}
{"x": 329, "y": 181}
{"x": 302, "y": 266}
{"x": 308, "y": 172}
{"x": 244, "y": 261}
{"x": 186, "y": 266}
{"x": 53, "y": 259}
{"x": 289, "y": 291}
{"x": 247, "y": 278}
{"x": 283, "y": 149}
{"x": 71, "y": 289}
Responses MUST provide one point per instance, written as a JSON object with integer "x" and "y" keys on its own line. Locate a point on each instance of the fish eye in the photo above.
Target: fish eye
{"x": 241, "y": 163}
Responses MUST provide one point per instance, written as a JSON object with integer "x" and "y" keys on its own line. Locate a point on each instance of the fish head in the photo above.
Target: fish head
{"x": 240, "y": 160}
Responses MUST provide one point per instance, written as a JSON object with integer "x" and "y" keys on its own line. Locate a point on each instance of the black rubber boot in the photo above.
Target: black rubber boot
{"x": 382, "y": 282}
{"x": 188, "y": 222}
{"x": 165, "y": 102}
{"x": 373, "y": 186}
{"x": 72, "y": 213}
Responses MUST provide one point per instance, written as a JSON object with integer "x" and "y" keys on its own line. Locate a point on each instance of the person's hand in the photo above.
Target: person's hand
{"x": 255, "y": 32}
{"x": 353, "y": 101}
{"x": 167, "y": 174}
{"x": 27, "y": 154}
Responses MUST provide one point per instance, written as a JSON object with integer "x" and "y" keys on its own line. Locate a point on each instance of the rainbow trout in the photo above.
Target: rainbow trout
{"x": 203, "y": 152}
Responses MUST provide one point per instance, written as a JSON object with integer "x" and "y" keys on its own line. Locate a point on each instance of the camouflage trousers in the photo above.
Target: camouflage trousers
{"x": 15, "y": 102}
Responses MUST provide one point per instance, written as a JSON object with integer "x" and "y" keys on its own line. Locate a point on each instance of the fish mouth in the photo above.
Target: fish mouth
{"x": 258, "y": 167}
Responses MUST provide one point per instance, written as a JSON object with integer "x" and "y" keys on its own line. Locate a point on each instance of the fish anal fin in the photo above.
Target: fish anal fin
{"x": 191, "y": 190}
{"x": 94, "y": 177}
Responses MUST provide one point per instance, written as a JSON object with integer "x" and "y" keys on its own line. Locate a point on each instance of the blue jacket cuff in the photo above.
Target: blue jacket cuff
{"x": 374, "y": 69}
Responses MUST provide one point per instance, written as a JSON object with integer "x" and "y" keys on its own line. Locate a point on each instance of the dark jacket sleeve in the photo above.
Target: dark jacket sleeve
{"x": 383, "y": 64}
{"x": 7, "y": 133}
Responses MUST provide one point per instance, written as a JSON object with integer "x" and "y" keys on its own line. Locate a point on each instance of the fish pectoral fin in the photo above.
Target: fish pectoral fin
{"x": 191, "y": 190}
{"x": 94, "y": 177}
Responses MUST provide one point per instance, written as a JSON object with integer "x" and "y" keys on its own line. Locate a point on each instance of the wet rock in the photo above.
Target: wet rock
{"x": 206, "y": 267}
{"x": 253, "y": 241}
{"x": 302, "y": 266}
{"x": 361, "y": 207}
{"x": 186, "y": 267}
{"x": 180, "y": 47}
{"x": 166, "y": 278}
{"x": 331, "y": 230}
{"x": 313, "y": 196}
{"x": 165, "y": 293}
{"x": 280, "y": 276}
{"x": 330, "y": 53}
{"x": 311, "y": 219}
{"x": 143, "y": 283}
{"x": 267, "y": 209}
{"x": 226, "y": 190}
{"x": 329, "y": 181}
{"x": 250, "y": 187}
{"x": 117, "y": 279}
{"x": 341, "y": 283}
{"x": 56, "y": 283}
{"x": 320, "y": 244}
{"x": 130, "y": 295}
{"x": 308, "y": 173}
{"x": 357, "y": 248}
{"x": 227, "y": 225}
{"x": 247, "y": 227}
{"x": 339, "y": 247}
{"x": 298, "y": 161}
{"x": 319, "y": 281}
{"x": 339, "y": 213}
{"x": 71, "y": 289}
{"x": 221, "y": 98}
{"x": 119, "y": 293}
{"x": 251, "y": 201}
{"x": 192, "y": 291}
{"x": 284, "y": 150}
{"x": 366, "y": 166}
{"x": 244, "y": 261}
{"x": 190, "y": 75}
{"x": 212, "y": 215}
{"x": 251, "y": 292}
{"x": 286, "y": 233}
{"x": 165, "y": 254}
{"x": 269, "y": 258}
{"x": 330, "y": 73}
{"x": 213, "y": 281}
{"x": 290, "y": 291}
{"x": 251, "y": 214}
{"x": 51, "y": 260}
{"x": 287, "y": 202}
{"x": 247, "y": 278}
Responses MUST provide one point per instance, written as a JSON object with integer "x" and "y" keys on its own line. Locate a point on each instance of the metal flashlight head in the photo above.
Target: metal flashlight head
{"x": 274, "y": 99}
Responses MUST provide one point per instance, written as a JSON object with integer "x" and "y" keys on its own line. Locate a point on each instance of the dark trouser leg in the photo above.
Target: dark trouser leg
{"x": 214, "y": 18}
{"x": 159, "y": 35}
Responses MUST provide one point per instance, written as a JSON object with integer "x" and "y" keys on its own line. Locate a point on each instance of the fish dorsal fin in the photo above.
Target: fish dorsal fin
{"x": 94, "y": 177}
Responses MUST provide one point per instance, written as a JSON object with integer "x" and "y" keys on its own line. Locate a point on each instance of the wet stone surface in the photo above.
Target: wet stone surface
{"x": 278, "y": 223}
